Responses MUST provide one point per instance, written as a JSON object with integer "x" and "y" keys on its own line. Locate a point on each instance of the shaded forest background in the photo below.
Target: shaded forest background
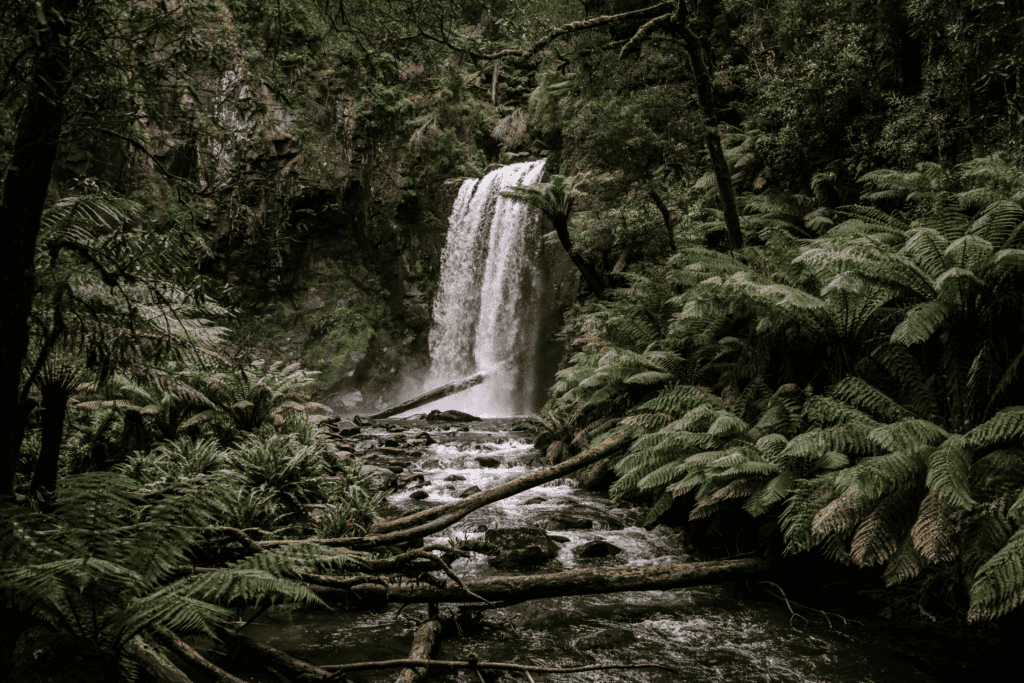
{"x": 799, "y": 228}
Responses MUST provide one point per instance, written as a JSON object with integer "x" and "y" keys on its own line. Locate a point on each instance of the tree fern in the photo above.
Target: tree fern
{"x": 998, "y": 585}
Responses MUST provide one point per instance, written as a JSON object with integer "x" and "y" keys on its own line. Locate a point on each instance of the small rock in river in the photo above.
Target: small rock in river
{"x": 393, "y": 443}
{"x": 471, "y": 491}
{"x": 427, "y": 438}
{"x": 487, "y": 461}
{"x": 559, "y": 539}
{"x": 598, "y": 549}
{"x": 535, "y": 500}
{"x": 521, "y": 547}
{"x": 567, "y": 522}
{"x": 613, "y": 637}
{"x": 455, "y": 477}
{"x": 347, "y": 428}
{"x": 419, "y": 495}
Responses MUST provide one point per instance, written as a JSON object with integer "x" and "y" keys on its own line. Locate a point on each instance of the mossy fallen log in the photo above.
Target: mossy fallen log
{"x": 432, "y": 395}
{"x": 514, "y": 589}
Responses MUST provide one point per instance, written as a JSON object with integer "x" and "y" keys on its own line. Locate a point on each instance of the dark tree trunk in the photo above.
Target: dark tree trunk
{"x": 712, "y": 138}
{"x": 593, "y": 279}
{"x": 666, "y": 217}
{"x": 55, "y": 407}
{"x": 24, "y": 193}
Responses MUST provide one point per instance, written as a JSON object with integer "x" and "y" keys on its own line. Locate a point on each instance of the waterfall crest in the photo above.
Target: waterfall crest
{"x": 485, "y": 312}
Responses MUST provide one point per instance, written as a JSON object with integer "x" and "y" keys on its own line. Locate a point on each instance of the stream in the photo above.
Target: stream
{"x": 706, "y": 633}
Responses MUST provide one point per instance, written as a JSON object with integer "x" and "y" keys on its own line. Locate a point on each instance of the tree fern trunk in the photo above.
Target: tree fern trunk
{"x": 24, "y": 194}
{"x": 55, "y": 406}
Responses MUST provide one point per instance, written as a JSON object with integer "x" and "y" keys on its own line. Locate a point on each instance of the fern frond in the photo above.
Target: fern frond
{"x": 860, "y": 394}
{"x": 904, "y": 564}
{"x": 998, "y": 585}
{"x": 934, "y": 533}
{"x": 880, "y": 534}
{"x": 1006, "y": 426}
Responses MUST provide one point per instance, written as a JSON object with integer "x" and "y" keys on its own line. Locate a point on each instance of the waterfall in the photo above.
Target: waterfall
{"x": 485, "y": 312}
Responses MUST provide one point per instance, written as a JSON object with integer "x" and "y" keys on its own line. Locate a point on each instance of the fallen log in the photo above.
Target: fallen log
{"x": 430, "y": 521}
{"x": 475, "y": 664}
{"x": 461, "y": 508}
{"x": 515, "y": 589}
{"x": 158, "y": 666}
{"x": 424, "y": 643}
{"x": 296, "y": 668}
{"x": 432, "y": 395}
{"x": 188, "y": 653}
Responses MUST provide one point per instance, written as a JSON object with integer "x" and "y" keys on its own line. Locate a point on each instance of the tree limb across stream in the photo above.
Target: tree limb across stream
{"x": 432, "y": 395}
{"x": 426, "y": 522}
{"x": 513, "y": 589}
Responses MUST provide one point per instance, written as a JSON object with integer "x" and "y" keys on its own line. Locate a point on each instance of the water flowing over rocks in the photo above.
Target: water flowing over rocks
{"x": 705, "y": 632}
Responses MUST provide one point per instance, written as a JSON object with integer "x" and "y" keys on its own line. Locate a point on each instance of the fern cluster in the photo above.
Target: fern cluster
{"x": 852, "y": 372}
{"x": 84, "y": 571}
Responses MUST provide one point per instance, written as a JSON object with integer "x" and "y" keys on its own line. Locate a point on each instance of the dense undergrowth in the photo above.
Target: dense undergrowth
{"x": 849, "y": 379}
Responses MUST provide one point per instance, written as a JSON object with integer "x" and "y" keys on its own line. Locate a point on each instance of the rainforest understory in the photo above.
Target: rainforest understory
{"x": 796, "y": 232}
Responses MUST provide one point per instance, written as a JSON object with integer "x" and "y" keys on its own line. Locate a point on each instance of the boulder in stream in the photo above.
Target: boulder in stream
{"x": 419, "y": 495}
{"x": 471, "y": 491}
{"x": 425, "y": 438}
{"x": 347, "y": 428}
{"x": 564, "y": 522}
{"x": 557, "y": 453}
{"x": 598, "y": 549}
{"x": 521, "y": 547}
{"x": 380, "y": 477}
{"x": 607, "y": 639}
{"x": 450, "y": 416}
{"x": 488, "y": 461}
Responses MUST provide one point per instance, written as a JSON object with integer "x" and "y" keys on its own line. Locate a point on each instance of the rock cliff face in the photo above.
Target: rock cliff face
{"x": 298, "y": 186}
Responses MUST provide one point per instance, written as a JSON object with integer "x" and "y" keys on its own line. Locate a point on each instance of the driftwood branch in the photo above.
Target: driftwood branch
{"x": 280, "y": 660}
{"x": 158, "y": 666}
{"x": 536, "y": 478}
{"x": 424, "y": 644}
{"x": 186, "y": 652}
{"x": 432, "y": 395}
{"x": 509, "y": 590}
{"x": 475, "y": 664}
{"x": 564, "y": 30}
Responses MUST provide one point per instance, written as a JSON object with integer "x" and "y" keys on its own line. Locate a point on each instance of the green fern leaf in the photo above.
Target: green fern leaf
{"x": 998, "y": 586}
{"x": 934, "y": 533}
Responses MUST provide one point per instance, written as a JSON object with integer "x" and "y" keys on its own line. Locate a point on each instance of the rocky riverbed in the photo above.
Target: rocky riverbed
{"x": 709, "y": 633}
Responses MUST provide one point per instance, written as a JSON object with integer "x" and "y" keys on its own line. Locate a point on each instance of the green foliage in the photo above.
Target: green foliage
{"x": 83, "y": 572}
{"x": 244, "y": 400}
{"x": 893, "y": 336}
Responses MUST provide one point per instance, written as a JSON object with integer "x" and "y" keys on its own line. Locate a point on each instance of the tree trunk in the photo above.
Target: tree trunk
{"x": 513, "y": 589}
{"x": 24, "y": 193}
{"x": 55, "y": 406}
{"x": 494, "y": 84}
{"x": 666, "y": 217}
{"x": 590, "y": 275}
{"x": 712, "y": 138}
{"x": 432, "y": 395}
{"x": 158, "y": 666}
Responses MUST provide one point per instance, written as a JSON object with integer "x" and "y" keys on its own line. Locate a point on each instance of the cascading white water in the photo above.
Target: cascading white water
{"x": 484, "y": 315}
